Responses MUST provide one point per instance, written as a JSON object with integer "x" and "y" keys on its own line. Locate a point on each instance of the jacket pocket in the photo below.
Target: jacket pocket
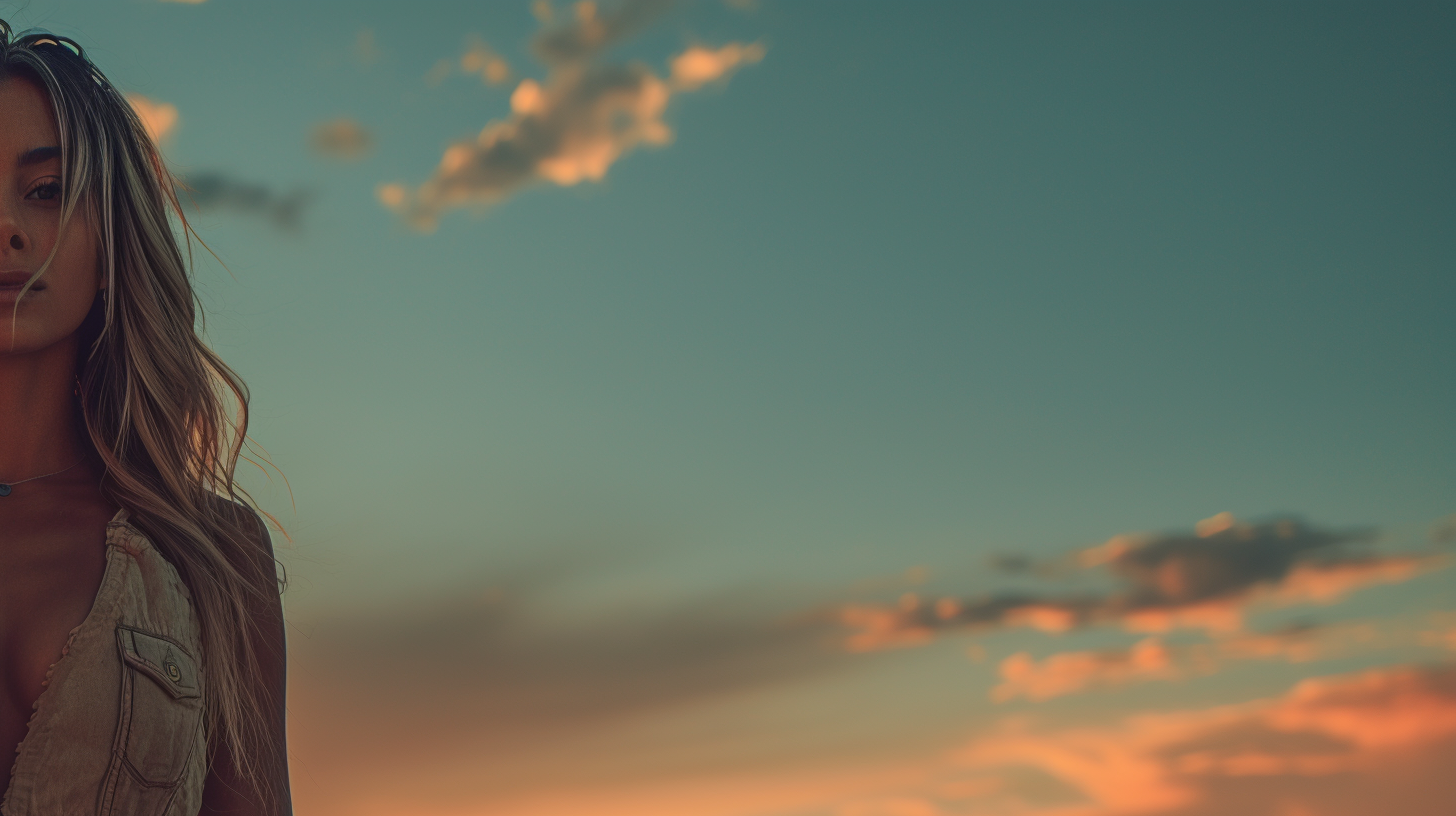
{"x": 161, "y": 707}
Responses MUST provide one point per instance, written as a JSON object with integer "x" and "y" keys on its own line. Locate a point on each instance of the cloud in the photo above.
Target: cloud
{"x": 1443, "y": 635}
{"x": 593, "y": 30}
{"x": 1379, "y": 741}
{"x": 1151, "y": 659}
{"x": 1023, "y": 676}
{"x": 159, "y": 118}
{"x": 698, "y": 66}
{"x": 480, "y": 59}
{"x": 366, "y": 50}
{"x": 489, "y": 676}
{"x": 1328, "y": 743}
{"x": 1206, "y": 580}
{"x": 1444, "y": 531}
{"x": 571, "y": 127}
{"x": 510, "y": 696}
{"x": 218, "y": 191}
{"x": 343, "y": 139}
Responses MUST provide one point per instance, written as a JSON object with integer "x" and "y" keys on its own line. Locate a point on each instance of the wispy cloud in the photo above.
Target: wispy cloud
{"x": 573, "y": 126}
{"x": 343, "y": 139}
{"x": 1378, "y": 741}
{"x": 1335, "y": 729}
{"x": 478, "y": 59}
{"x": 481, "y": 60}
{"x": 486, "y": 674}
{"x": 219, "y": 191}
{"x": 1152, "y": 659}
{"x": 1023, "y": 676}
{"x": 510, "y": 697}
{"x": 366, "y": 48}
{"x": 699, "y": 65}
{"x": 1444, "y": 531}
{"x": 159, "y": 118}
{"x": 1206, "y": 580}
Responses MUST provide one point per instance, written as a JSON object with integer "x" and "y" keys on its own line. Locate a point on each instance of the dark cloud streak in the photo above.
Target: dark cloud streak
{"x": 210, "y": 191}
{"x": 1165, "y": 581}
{"x": 487, "y": 671}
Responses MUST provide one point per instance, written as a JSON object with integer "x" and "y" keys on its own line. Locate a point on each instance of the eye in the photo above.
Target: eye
{"x": 50, "y": 191}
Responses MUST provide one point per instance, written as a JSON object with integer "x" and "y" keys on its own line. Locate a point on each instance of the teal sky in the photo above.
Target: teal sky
{"x": 927, "y": 283}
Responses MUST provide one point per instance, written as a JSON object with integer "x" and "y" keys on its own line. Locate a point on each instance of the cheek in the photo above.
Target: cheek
{"x": 71, "y": 283}
{"x": 77, "y": 265}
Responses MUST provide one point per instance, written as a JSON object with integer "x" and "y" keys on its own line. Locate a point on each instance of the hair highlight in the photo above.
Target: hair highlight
{"x": 166, "y": 416}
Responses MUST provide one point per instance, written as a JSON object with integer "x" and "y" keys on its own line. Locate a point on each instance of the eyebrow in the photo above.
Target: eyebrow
{"x": 36, "y": 155}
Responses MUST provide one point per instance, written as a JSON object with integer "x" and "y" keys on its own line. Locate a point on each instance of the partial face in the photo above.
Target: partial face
{"x": 30, "y": 219}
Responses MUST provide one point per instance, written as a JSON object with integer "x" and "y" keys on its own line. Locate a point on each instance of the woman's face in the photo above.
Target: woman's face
{"x": 30, "y": 220}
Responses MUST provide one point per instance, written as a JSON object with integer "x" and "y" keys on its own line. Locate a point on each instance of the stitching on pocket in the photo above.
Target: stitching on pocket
{"x": 118, "y": 746}
{"x": 162, "y": 659}
{"x": 150, "y": 759}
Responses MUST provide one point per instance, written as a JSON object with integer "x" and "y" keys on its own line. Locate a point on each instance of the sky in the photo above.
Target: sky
{"x": 778, "y": 408}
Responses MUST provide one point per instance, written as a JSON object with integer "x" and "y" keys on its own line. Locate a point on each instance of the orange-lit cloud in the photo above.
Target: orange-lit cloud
{"x": 499, "y": 702}
{"x": 1380, "y": 741}
{"x": 1203, "y": 581}
{"x": 159, "y": 118}
{"x": 698, "y": 66}
{"x": 1023, "y": 676}
{"x": 571, "y": 127}
{"x": 1151, "y": 659}
{"x": 478, "y": 59}
{"x": 481, "y": 60}
{"x": 1446, "y": 638}
{"x": 342, "y": 139}
{"x": 1334, "y": 730}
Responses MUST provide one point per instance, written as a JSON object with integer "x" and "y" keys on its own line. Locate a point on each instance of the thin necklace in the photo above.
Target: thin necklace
{"x": 5, "y": 487}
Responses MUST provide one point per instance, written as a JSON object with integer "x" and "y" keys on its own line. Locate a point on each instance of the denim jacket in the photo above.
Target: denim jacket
{"x": 118, "y": 730}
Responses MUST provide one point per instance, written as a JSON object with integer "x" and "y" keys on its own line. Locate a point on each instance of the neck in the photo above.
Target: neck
{"x": 39, "y": 427}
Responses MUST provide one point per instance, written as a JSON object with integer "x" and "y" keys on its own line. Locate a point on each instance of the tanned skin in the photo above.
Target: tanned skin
{"x": 53, "y": 530}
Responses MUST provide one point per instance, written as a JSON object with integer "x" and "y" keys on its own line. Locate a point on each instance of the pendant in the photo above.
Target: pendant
{"x": 4, "y": 490}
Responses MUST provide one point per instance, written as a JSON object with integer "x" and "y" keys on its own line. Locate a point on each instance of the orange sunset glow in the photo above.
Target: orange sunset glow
{"x": 768, "y": 408}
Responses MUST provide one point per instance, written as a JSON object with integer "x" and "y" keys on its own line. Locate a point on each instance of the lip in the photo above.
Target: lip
{"x": 12, "y": 281}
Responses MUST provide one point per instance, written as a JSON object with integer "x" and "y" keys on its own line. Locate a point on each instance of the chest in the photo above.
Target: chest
{"x": 119, "y": 728}
{"x": 49, "y": 576}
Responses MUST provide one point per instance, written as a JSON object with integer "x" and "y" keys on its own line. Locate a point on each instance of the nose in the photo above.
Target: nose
{"x": 11, "y": 231}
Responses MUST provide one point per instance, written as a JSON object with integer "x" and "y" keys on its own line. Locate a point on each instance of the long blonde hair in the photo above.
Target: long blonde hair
{"x": 167, "y": 418}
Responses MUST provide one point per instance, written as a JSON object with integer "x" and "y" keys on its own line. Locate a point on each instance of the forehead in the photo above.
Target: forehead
{"x": 28, "y": 121}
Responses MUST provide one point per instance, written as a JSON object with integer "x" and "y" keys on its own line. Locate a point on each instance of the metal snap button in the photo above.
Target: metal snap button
{"x": 174, "y": 672}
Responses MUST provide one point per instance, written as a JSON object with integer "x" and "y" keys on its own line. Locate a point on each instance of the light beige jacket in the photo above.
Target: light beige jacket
{"x": 118, "y": 730}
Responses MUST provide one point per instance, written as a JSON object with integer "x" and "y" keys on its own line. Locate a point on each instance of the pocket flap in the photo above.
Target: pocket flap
{"x": 160, "y": 659}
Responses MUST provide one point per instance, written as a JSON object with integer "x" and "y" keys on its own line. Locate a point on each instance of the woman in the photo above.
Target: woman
{"x": 141, "y": 629}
